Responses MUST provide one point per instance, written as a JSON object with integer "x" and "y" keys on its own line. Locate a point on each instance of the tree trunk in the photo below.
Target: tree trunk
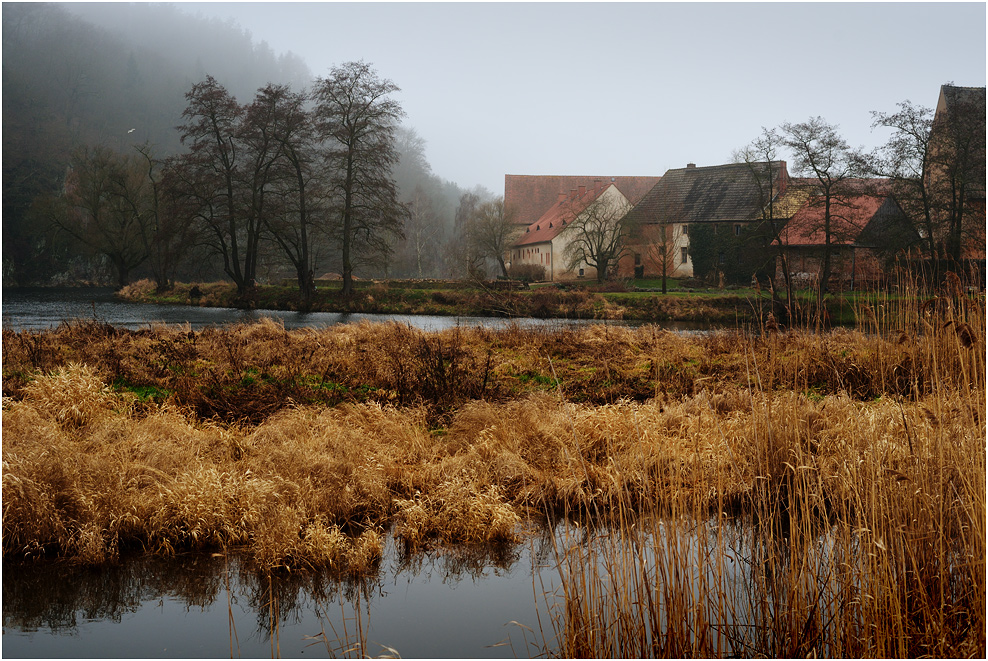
{"x": 123, "y": 274}
{"x": 504, "y": 268}
{"x": 306, "y": 287}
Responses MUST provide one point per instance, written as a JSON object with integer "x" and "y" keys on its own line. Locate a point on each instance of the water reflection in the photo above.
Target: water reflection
{"x": 719, "y": 584}
{"x": 453, "y": 603}
{"x": 61, "y": 598}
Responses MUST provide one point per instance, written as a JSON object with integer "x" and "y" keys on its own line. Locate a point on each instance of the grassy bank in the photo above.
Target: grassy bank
{"x": 616, "y": 301}
{"x": 842, "y": 474}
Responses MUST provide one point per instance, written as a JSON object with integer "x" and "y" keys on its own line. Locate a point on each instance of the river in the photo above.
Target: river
{"x": 36, "y": 308}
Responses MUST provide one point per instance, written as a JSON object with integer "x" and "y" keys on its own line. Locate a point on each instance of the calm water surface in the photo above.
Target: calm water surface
{"x": 455, "y": 604}
{"x": 437, "y": 606}
{"x": 42, "y": 308}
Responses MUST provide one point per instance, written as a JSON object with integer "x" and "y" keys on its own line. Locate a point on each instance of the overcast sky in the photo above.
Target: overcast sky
{"x": 629, "y": 88}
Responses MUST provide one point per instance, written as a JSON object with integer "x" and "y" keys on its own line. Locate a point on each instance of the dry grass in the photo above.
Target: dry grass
{"x": 827, "y": 492}
{"x": 848, "y": 524}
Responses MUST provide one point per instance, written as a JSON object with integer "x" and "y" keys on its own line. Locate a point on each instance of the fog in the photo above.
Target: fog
{"x": 622, "y": 88}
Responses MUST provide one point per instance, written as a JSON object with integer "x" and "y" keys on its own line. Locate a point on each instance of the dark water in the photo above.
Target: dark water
{"x": 43, "y": 308}
{"x": 437, "y": 606}
{"x": 454, "y": 604}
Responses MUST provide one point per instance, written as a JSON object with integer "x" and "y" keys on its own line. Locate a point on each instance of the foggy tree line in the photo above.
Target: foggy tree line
{"x": 85, "y": 104}
{"x": 292, "y": 180}
{"x": 68, "y": 82}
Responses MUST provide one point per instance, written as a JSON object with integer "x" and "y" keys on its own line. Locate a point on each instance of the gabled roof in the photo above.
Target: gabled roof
{"x": 719, "y": 193}
{"x": 951, "y": 97}
{"x": 559, "y": 216}
{"x": 859, "y": 219}
{"x": 530, "y": 196}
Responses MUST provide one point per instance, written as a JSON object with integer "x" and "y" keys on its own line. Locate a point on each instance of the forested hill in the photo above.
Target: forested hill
{"x": 68, "y": 82}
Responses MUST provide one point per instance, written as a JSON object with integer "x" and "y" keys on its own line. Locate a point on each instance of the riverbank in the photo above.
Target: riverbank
{"x": 450, "y": 298}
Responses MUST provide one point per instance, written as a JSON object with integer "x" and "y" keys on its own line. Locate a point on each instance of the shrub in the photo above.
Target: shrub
{"x": 527, "y": 272}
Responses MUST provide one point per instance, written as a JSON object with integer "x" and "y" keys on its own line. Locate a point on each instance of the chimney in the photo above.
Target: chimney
{"x": 562, "y": 196}
{"x": 572, "y": 193}
{"x": 691, "y": 166}
{"x": 583, "y": 191}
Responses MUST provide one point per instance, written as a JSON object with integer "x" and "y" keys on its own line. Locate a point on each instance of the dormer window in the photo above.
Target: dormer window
{"x": 537, "y": 228}
{"x": 550, "y": 225}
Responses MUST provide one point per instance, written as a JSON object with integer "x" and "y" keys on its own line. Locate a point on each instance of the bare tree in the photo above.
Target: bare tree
{"x": 904, "y": 160}
{"x": 108, "y": 208}
{"x": 290, "y": 216}
{"x": 357, "y": 119}
{"x": 761, "y": 157}
{"x": 956, "y": 165}
{"x": 209, "y": 181}
{"x": 491, "y": 232}
{"x": 599, "y": 235}
{"x": 658, "y": 241}
{"x": 423, "y": 234}
{"x": 820, "y": 153}
{"x": 458, "y": 255}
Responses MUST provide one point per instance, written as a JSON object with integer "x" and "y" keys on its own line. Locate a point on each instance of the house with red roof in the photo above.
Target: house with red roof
{"x": 545, "y": 241}
{"x": 530, "y": 196}
{"x": 867, "y": 232}
{"x": 723, "y": 198}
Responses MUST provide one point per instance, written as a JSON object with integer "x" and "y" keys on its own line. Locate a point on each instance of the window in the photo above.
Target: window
{"x": 581, "y": 272}
{"x": 721, "y": 258}
{"x": 686, "y": 230}
{"x": 638, "y": 259}
{"x": 683, "y": 254}
{"x": 737, "y": 230}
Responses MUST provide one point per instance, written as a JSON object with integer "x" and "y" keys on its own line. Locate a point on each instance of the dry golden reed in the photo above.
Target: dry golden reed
{"x": 858, "y": 527}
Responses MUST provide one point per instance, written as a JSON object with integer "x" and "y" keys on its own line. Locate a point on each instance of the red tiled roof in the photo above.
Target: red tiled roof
{"x": 530, "y": 196}
{"x": 558, "y": 217}
{"x": 848, "y": 217}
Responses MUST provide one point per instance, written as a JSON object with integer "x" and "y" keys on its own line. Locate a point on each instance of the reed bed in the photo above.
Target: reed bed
{"x": 859, "y": 530}
{"x": 759, "y": 493}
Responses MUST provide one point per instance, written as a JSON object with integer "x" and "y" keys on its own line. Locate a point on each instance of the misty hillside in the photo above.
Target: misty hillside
{"x": 67, "y": 82}
{"x": 115, "y": 75}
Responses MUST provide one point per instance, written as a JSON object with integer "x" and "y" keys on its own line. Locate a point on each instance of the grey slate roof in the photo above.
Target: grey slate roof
{"x": 719, "y": 193}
